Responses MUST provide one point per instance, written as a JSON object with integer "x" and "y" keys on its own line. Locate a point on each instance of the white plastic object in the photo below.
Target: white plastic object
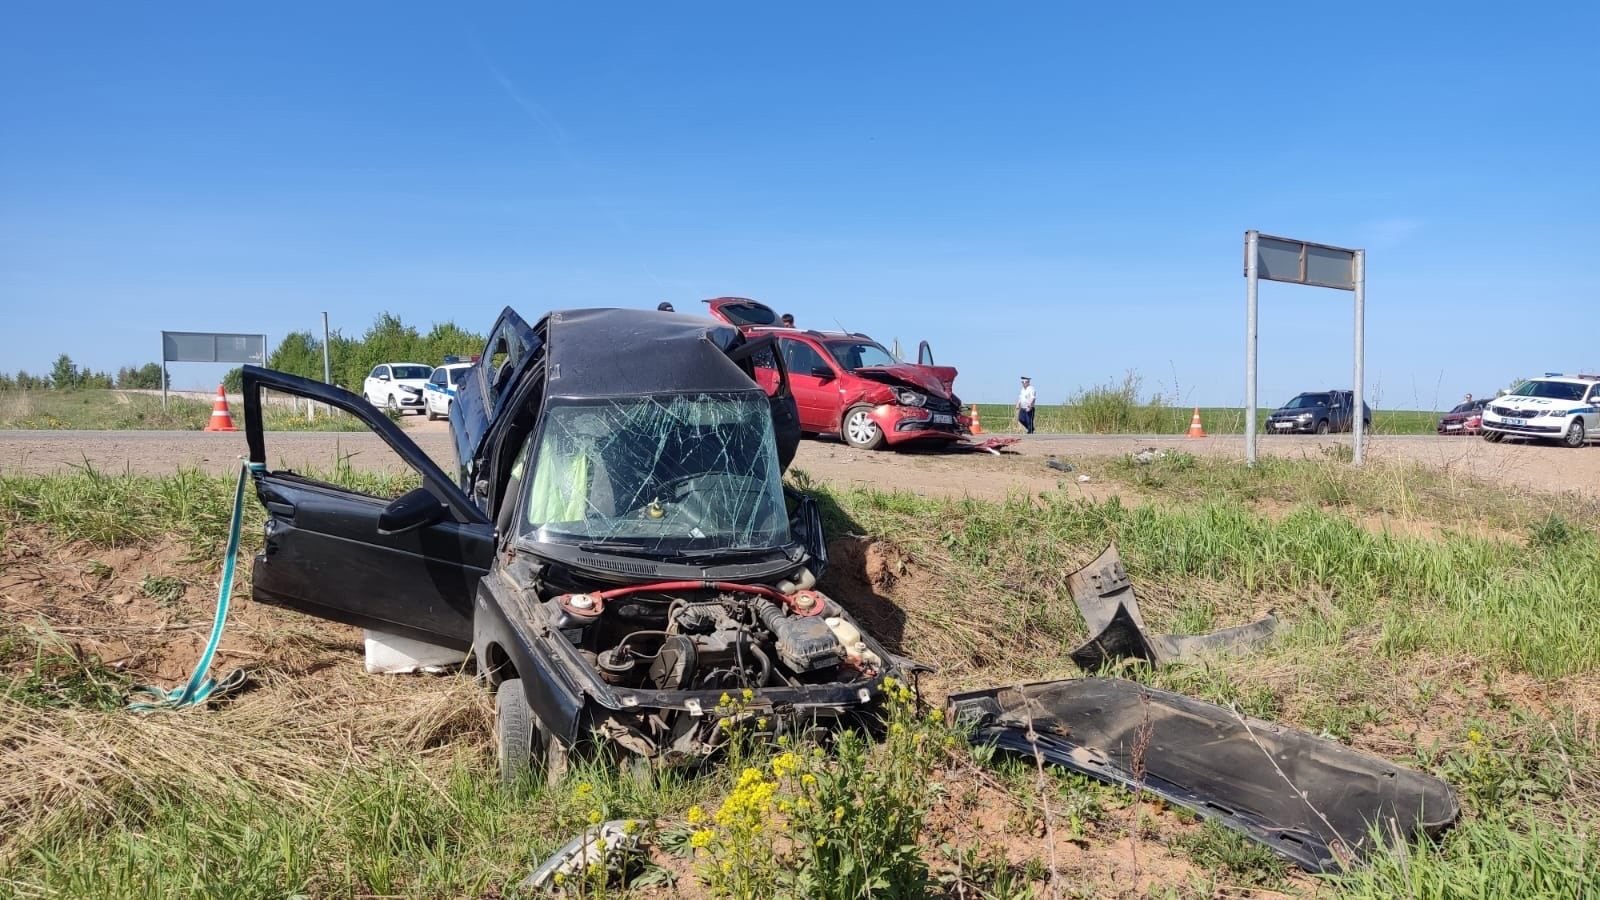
{"x": 391, "y": 654}
{"x": 849, "y": 636}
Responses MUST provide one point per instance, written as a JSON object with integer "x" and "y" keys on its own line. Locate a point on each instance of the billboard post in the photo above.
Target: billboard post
{"x": 209, "y": 346}
{"x": 1318, "y": 265}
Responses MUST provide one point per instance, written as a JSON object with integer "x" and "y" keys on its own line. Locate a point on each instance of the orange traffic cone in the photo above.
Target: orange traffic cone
{"x": 1196, "y": 430}
{"x": 221, "y": 419}
{"x": 977, "y": 427}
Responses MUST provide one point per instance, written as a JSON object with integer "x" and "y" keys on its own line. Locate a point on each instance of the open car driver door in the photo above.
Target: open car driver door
{"x": 406, "y": 565}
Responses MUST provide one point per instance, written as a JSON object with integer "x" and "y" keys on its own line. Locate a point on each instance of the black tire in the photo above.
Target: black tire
{"x": 1493, "y": 437}
{"x": 1576, "y": 436}
{"x": 392, "y": 406}
{"x": 522, "y": 743}
{"x": 516, "y": 732}
{"x": 1322, "y": 427}
{"x": 858, "y": 429}
{"x": 429, "y": 410}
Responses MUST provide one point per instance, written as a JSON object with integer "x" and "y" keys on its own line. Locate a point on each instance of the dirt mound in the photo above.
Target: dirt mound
{"x": 69, "y": 612}
{"x": 146, "y": 611}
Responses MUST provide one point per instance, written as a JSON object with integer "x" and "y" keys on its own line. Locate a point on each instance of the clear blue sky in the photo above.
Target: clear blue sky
{"x": 1056, "y": 189}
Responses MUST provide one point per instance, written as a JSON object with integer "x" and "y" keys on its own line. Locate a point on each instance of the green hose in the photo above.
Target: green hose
{"x": 199, "y": 687}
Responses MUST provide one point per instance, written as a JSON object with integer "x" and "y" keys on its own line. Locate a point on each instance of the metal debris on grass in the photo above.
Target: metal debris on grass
{"x": 1104, "y": 595}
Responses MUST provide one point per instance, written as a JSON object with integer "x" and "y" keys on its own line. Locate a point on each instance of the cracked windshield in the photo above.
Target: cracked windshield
{"x": 658, "y": 475}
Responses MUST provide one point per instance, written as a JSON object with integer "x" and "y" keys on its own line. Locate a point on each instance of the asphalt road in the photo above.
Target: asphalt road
{"x": 157, "y": 452}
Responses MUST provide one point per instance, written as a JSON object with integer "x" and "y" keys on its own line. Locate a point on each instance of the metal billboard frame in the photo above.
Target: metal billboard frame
{"x": 173, "y": 344}
{"x": 1356, "y": 283}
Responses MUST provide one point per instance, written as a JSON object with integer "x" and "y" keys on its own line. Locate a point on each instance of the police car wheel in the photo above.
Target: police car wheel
{"x": 1575, "y": 434}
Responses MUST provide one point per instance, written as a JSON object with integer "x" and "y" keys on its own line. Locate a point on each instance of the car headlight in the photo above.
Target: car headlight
{"x": 1304, "y": 417}
{"x": 409, "y": 389}
{"x": 909, "y": 398}
{"x": 1557, "y": 413}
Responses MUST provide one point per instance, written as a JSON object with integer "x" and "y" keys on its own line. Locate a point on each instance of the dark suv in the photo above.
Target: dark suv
{"x": 848, "y": 385}
{"x": 1317, "y": 412}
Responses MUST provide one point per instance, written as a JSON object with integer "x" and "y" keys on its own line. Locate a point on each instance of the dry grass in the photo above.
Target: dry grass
{"x": 75, "y": 768}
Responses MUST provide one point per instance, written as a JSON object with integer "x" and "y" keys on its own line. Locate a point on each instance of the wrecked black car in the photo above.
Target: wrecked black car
{"x": 617, "y": 548}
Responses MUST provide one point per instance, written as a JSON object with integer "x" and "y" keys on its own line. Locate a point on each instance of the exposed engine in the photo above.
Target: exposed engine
{"x": 687, "y": 636}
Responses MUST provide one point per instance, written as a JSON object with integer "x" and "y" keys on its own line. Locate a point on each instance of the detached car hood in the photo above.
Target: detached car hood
{"x": 1311, "y": 800}
{"x": 939, "y": 381}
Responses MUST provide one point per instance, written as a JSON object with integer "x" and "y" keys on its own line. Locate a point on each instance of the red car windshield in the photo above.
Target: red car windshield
{"x": 853, "y": 355}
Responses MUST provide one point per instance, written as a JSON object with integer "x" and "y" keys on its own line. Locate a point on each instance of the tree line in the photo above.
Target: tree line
{"x": 66, "y": 375}
{"x": 389, "y": 339}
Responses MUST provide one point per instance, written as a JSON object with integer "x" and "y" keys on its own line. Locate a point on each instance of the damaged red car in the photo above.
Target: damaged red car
{"x": 848, "y": 385}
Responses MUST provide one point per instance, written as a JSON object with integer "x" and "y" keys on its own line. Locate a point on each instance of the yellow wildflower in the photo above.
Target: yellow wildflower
{"x": 702, "y": 838}
{"x": 761, "y": 723}
{"x": 747, "y": 694}
{"x": 1474, "y": 736}
{"x": 594, "y": 817}
{"x": 583, "y": 789}
{"x": 696, "y": 815}
{"x": 784, "y": 764}
{"x": 809, "y": 780}
{"x": 725, "y": 700}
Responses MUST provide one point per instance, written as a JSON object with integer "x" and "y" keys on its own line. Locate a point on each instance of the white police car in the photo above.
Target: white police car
{"x": 1563, "y": 408}
{"x": 396, "y": 387}
{"x": 440, "y": 391}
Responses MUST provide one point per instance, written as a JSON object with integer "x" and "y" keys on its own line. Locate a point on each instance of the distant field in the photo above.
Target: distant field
{"x": 100, "y": 410}
{"x": 1172, "y": 420}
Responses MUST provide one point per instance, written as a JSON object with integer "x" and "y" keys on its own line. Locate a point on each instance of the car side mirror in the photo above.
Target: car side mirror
{"x": 410, "y": 511}
{"x": 823, "y": 372}
{"x": 383, "y": 378}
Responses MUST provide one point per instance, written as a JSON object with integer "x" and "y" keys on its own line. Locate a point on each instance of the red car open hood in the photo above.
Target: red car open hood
{"x": 939, "y": 381}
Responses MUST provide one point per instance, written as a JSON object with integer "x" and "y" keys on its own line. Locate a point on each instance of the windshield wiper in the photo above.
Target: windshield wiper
{"x": 622, "y": 547}
{"x": 734, "y": 552}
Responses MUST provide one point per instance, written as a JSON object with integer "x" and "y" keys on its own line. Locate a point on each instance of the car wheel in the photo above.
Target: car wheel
{"x": 1575, "y": 434}
{"x": 1322, "y": 427}
{"x": 428, "y": 408}
{"x": 860, "y": 431}
{"x": 392, "y": 407}
{"x": 516, "y": 737}
{"x": 1493, "y": 437}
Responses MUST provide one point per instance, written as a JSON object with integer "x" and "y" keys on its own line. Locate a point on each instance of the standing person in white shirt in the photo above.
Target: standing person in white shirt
{"x": 1025, "y": 401}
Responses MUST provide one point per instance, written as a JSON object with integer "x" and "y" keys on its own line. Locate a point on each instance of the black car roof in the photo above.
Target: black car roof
{"x": 599, "y": 353}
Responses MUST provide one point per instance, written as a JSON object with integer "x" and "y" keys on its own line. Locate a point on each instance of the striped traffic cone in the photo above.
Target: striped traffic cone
{"x": 977, "y": 427}
{"x": 1196, "y": 430}
{"x": 221, "y": 419}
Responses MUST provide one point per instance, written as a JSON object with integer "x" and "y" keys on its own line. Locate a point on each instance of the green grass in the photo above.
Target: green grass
{"x": 1397, "y": 489}
{"x": 102, "y": 410}
{"x": 1064, "y": 419}
{"x": 1469, "y": 655}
